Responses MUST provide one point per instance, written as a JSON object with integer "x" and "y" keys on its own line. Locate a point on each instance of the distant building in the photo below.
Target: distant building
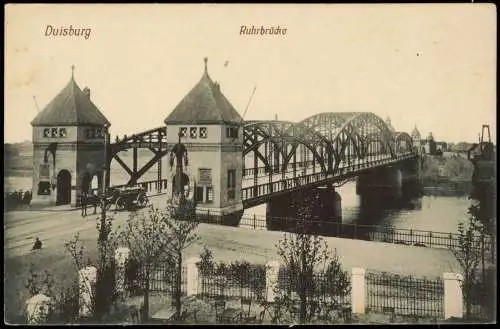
{"x": 427, "y": 145}
{"x": 415, "y": 135}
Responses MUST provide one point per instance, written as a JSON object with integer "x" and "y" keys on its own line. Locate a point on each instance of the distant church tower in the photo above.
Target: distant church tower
{"x": 68, "y": 147}
{"x": 415, "y": 136}
{"x": 210, "y": 128}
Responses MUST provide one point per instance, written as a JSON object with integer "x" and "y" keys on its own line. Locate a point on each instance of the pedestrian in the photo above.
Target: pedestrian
{"x": 37, "y": 245}
{"x": 95, "y": 199}
{"x": 83, "y": 201}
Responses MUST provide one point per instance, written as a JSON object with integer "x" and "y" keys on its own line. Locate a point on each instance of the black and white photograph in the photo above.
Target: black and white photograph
{"x": 250, "y": 164}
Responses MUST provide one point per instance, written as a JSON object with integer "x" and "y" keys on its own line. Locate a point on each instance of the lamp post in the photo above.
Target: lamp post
{"x": 103, "y": 229}
{"x": 179, "y": 153}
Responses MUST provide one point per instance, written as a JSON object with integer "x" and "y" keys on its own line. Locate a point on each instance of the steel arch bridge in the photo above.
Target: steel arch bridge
{"x": 324, "y": 148}
{"x": 281, "y": 156}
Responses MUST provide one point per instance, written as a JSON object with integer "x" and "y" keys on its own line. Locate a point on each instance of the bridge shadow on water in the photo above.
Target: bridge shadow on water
{"x": 369, "y": 220}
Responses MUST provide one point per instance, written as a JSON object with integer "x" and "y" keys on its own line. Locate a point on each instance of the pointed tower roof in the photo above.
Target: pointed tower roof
{"x": 389, "y": 125}
{"x": 415, "y": 132}
{"x": 71, "y": 107}
{"x": 204, "y": 104}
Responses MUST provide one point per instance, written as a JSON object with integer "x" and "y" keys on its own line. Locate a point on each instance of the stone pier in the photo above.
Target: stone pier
{"x": 283, "y": 210}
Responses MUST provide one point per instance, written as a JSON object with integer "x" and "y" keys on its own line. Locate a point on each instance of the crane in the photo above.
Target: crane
{"x": 249, "y": 100}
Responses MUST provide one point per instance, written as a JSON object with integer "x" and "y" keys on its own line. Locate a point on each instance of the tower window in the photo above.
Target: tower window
{"x": 232, "y": 132}
{"x": 210, "y": 194}
{"x": 54, "y": 132}
{"x": 98, "y": 133}
{"x": 193, "y": 132}
{"x": 183, "y": 131}
{"x": 203, "y": 132}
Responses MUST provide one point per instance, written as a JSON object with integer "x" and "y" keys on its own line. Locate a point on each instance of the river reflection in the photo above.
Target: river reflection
{"x": 422, "y": 212}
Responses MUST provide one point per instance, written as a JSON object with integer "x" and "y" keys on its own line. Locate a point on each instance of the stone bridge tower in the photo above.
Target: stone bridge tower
{"x": 68, "y": 147}
{"x": 210, "y": 129}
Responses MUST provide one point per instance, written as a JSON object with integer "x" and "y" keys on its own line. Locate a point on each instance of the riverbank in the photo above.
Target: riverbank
{"x": 446, "y": 187}
{"x": 446, "y": 176}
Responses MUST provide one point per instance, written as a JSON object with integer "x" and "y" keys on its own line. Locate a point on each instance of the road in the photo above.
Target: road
{"x": 55, "y": 226}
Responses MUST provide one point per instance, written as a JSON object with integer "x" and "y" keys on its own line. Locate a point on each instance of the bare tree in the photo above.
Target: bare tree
{"x": 307, "y": 260}
{"x": 148, "y": 237}
{"x": 182, "y": 231}
{"x": 468, "y": 256}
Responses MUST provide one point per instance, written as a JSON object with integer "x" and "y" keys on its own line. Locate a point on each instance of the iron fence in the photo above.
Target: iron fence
{"x": 319, "y": 295}
{"x": 232, "y": 281}
{"x": 163, "y": 278}
{"x": 404, "y": 295}
{"x": 319, "y": 285}
{"x": 332, "y": 227}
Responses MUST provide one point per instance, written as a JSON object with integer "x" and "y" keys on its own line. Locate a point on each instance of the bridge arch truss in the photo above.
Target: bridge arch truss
{"x": 323, "y": 141}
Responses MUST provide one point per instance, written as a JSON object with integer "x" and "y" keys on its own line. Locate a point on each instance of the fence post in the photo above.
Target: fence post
{"x": 272, "y": 269}
{"x": 87, "y": 278}
{"x": 254, "y": 222}
{"x": 37, "y": 308}
{"x": 453, "y": 298}
{"x": 121, "y": 258}
{"x": 358, "y": 290}
{"x": 192, "y": 274}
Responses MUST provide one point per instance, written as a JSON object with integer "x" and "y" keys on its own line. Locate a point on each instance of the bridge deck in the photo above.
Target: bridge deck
{"x": 260, "y": 188}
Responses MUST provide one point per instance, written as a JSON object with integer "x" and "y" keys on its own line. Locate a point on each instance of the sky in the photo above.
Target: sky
{"x": 427, "y": 65}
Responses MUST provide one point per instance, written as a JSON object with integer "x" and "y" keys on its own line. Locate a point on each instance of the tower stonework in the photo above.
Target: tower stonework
{"x": 68, "y": 148}
{"x": 210, "y": 128}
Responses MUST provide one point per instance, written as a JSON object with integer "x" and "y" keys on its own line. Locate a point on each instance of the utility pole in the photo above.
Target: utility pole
{"x": 103, "y": 229}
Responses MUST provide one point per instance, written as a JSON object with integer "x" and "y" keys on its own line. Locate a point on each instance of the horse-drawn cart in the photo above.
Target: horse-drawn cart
{"x": 126, "y": 198}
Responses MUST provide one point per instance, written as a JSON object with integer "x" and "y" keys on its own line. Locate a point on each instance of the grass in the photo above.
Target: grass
{"x": 58, "y": 263}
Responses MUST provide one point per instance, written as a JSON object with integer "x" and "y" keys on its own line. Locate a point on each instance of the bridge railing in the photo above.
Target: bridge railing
{"x": 288, "y": 184}
{"x": 263, "y": 170}
{"x": 151, "y": 187}
{"x": 150, "y": 136}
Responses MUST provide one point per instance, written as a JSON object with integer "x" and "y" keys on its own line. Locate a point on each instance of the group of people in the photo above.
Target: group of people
{"x": 17, "y": 198}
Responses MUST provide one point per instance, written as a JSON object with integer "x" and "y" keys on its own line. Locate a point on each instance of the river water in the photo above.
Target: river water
{"x": 426, "y": 212}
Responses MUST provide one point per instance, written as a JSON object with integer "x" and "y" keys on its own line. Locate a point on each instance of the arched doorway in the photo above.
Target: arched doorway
{"x": 184, "y": 183}
{"x": 63, "y": 187}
